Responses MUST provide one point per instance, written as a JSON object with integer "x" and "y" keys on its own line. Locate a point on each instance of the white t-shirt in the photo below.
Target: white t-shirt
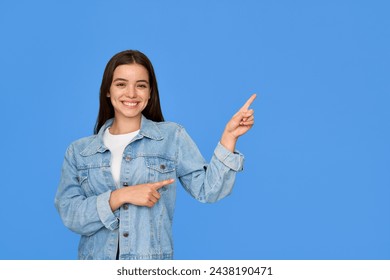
{"x": 117, "y": 144}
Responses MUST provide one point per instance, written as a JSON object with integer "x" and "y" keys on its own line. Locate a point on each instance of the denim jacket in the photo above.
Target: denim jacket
{"x": 160, "y": 151}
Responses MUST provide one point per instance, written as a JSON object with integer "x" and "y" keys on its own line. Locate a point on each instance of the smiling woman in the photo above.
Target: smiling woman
{"x": 145, "y": 72}
{"x": 129, "y": 95}
{"x": 118, "y": 188}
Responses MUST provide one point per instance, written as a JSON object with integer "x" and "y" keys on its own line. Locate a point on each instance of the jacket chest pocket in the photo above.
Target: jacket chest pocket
{"x": 94, "y": 179}
{"x": 160, "y": 169}
{"x": 83, "y": 181}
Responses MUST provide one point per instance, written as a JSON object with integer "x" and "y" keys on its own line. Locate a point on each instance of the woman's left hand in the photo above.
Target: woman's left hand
{"x": 238, "y": 125}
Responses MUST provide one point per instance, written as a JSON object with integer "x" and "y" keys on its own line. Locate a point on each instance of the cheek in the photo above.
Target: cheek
{"x": 146, "y": 103}
{"x": 112, "y": 100}
{"x": 147, "y": 97}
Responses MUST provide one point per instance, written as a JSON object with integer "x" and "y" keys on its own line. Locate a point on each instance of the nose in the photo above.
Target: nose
{"x": 131, "y": 92}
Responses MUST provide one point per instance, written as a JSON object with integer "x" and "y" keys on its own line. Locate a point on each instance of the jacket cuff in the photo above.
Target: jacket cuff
{"x": 234, "y": 161}
{"x": 108, "y": 218}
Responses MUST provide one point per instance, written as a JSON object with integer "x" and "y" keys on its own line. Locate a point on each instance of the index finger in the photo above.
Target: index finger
{"x": 248, "y": 102}
{"x": 159, "y": 185}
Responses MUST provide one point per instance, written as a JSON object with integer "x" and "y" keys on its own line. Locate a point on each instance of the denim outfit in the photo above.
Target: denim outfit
{"x": 161, "y": 150}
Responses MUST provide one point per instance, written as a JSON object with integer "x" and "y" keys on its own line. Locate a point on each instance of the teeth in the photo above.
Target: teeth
{"x": 129, "y": 104}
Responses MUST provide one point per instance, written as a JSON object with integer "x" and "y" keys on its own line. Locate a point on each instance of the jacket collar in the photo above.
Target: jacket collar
{"x": 148, "y": 129}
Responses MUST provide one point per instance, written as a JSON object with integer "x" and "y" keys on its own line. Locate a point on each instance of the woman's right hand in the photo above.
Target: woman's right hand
{"x": 140, "y": 195}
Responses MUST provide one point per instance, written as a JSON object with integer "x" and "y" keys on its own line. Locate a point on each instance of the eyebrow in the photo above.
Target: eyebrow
{"x": 145, "y": 81}
{"x": 119, "y": 79}
{"x": 122, "y": 79}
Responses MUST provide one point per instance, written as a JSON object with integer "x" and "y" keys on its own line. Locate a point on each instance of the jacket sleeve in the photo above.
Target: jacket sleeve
{"x": 206, "y": 182}
{"x": 81, "y": 214}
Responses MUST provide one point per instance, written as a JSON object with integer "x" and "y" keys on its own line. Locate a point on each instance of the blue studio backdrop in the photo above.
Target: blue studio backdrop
{"x": 316, "y": 181}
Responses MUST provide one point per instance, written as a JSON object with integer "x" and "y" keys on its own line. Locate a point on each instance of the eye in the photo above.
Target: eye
{"x": 142, "y": 86}
{"x": 120, "y": 84}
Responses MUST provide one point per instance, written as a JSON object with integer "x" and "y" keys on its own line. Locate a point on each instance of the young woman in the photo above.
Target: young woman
{"x": 118, "y": 188}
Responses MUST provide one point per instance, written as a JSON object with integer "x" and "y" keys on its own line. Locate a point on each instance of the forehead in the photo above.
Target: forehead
{"x": 131, "y": 72}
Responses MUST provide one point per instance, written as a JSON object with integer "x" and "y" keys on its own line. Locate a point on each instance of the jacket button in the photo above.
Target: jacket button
{"x": 126, "y": 234}
{"x": 125, "y": 207}
{"x": 162, "y": 166}
{"x": 125, "y": 184}
{"x": 127, "y": 158}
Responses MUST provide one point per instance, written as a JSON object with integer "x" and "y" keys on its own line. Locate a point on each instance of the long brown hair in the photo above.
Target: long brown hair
{"x": 106, "y": 111}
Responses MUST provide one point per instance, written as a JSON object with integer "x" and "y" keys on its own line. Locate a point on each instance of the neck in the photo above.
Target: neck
{"x": 127, "y": 125}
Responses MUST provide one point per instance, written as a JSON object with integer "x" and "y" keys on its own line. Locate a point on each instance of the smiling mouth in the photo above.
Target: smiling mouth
{"x": 130, "y": 104}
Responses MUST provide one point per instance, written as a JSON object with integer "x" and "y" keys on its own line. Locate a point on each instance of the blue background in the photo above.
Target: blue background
{"x": 316, "y": 183}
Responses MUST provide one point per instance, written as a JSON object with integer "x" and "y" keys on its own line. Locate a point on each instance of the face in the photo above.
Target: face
{"x": 129, "y": 91}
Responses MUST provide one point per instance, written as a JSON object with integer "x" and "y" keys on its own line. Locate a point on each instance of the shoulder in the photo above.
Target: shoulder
{"x": 80, "y": 144}
{"x": 167, "y": 125}
{"x": 174, "y": 133}
{"x": 171, "y": 129}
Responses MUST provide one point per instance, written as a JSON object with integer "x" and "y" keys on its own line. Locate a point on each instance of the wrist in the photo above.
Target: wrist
{"x": 116, "y": 199}
{"x": 228, "y": 141}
